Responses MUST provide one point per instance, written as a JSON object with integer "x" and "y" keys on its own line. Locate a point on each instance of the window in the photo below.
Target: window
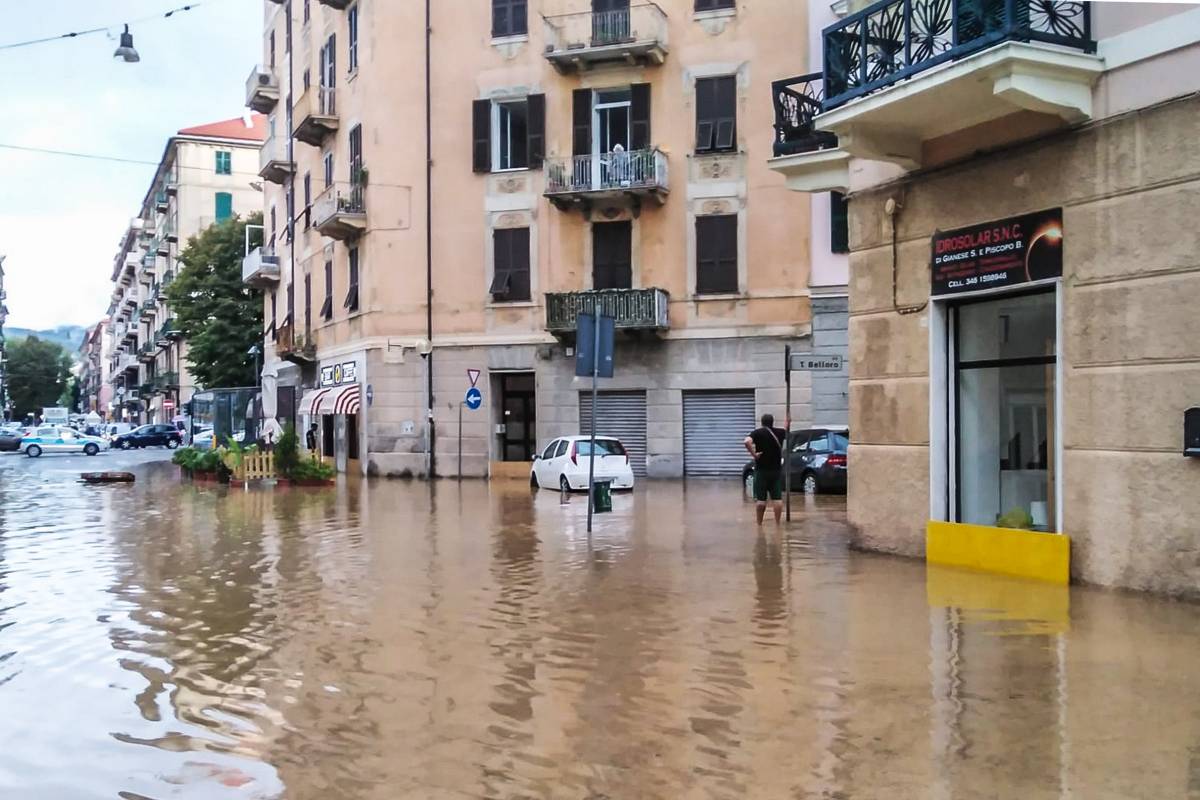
{"x": 224, "y": 162}
{"x": 291, "y": 213}
{"x": 273, "y": 310}
{"x": 1005, "y": 390}
{"x": 307, "y": 200}
{"x": 716, "y": 254}
{"x": 287, "y": 28}
{"x": 510, "y": 131}
{"x": 548, "y": 453}
{"x": 291, "y": 304}
{"x": 308, "y": 11}
{"x": 562, "y": 448}
{"x": 713, "y": 5}
{"x": 307, "y": 78}
{"x": 352, "y": 21}
{"x": 351, "y": 303}
{"x": 510, "y": 279}
{"x": 273, "y": 234}
{"x": 819, "y": 443}
{"x": 224, "y": 206}
{"x": 271, "y": 50}
{"x": 839, "y": 224}
{"x": 508, "y": 134}
{"x": 508, "y": 18}
{"x": 328, "y": 162}
{"x": 716, "y": 114}
{"x": 356, "y": 155}
{"x": 307, "y": 302}
{"x": 327, "y": 306}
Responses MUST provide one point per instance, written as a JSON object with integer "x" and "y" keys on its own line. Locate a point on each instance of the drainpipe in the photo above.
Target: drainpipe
{"x": 429, "y": 240}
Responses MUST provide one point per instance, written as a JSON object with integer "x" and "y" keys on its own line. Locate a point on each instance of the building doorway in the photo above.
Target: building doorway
{"x": 612, "y": 255}
{"x": 1003, "y": 352}
{"x": 518, "y": 409}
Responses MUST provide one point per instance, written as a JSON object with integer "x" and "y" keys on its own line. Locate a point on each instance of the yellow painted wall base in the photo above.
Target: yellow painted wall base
{"x": 1007, "y": 551}
{"x": 511, "y": 470}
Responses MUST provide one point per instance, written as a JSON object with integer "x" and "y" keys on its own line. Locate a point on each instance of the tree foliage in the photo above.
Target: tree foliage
{"x": 38, "y": 372}
{"x": 220, "y": 317}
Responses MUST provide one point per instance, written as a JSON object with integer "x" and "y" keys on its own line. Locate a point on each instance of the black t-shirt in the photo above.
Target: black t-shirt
{"x": 770, "y": 447}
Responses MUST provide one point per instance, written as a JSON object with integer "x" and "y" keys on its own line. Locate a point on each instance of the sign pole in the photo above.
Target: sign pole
{"x": 787, "y": 440}
{"x": 592, "y": 447}
{"x": 460, "y": 405}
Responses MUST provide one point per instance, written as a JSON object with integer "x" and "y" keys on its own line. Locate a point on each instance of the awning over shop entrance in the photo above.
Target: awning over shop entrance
{"x": 345, "y": 399}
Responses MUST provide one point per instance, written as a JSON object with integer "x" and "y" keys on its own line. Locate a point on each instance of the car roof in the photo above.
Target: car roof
{"x": 599, "y": 438}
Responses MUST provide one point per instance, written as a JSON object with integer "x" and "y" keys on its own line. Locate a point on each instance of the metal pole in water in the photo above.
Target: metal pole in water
{"x": 460, "y": 405}
{"x": 592, "y": 446}
{"x": 787, "y": 440}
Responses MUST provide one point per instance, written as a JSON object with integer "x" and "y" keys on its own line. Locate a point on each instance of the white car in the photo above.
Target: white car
{"x": 563, "y": 464}
{"x": 55, "y": 439}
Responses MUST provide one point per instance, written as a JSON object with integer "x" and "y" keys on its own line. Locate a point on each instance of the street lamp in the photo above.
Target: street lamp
{"x": 126, "y": 50}
{"x": 255, "y": 352}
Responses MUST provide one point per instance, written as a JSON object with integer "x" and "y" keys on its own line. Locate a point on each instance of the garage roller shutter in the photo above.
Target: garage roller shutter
{"x": 619, "y": 414}
{"x": 714, "y": 426}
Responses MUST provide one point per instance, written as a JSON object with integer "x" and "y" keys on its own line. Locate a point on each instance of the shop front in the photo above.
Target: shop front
{"x": 335, "y": 407}
{"x": 995, "y": 404}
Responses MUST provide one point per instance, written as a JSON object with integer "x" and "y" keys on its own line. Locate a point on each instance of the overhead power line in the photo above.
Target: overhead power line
{"x": 77, "y": 34}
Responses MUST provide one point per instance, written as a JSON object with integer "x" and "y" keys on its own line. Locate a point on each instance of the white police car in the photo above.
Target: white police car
{"x": 55, "y": 439}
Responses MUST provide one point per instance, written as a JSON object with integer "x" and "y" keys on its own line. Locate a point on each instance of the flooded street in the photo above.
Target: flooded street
{"x": 386, "y": 640}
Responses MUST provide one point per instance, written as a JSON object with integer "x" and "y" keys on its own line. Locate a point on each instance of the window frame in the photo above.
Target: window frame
{"x": 511, "y": 29}
{"x": 307, "y": 200}
{"x": 506, "y": 267}
{"x": 353, "y": 273}
{"x": 499, "y": 140}
{"x": 710, "y": 116}
{"x": 327, "y": 305}
{"x": 707, "y": 226}
{"x": 702, "y": 6}
{"x": 217, "y": 206}
{"x": 223, "y": 162}
{"x": 352, "y": 45}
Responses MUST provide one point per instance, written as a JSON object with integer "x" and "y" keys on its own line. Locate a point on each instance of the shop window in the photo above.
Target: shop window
{"x": 1004, "y": 420}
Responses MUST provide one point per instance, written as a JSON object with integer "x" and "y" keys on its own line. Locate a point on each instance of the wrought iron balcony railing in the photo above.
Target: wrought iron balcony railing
{"x": 635, "y": 33}
{"x": 633, "y": 309}
{"x": 636, "y": 171}
{"x": 797, "y": 102}
{"x": 895, "y": 39}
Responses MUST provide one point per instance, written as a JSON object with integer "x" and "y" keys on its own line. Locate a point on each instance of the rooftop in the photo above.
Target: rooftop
{"x": 235, "y": 128}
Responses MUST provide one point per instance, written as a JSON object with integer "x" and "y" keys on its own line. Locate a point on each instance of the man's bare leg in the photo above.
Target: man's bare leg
{"x": 760, "y": 511}
{"x": 778, "y": 508}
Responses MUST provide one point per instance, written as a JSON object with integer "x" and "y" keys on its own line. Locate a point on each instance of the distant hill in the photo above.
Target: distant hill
{"x": 69, "y": 336}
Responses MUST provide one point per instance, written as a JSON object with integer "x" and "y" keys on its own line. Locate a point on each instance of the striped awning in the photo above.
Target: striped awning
{"x": 346, "y": 399}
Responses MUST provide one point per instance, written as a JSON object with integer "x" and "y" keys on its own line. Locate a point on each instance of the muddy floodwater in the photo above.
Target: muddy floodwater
{"x": 390, "y": 641}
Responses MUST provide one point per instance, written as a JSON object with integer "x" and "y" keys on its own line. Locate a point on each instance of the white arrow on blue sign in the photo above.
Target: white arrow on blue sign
{"x": 473, "y": 399}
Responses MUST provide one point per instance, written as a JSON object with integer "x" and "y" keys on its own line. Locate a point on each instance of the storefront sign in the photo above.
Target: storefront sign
{"x": 1006, "y": 252}
{"x": 336, "y": 375}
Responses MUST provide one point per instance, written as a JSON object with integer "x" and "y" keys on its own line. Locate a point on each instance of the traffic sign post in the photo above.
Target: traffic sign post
{"x": 595, "y": 340}
{"x": 473, "y": 399}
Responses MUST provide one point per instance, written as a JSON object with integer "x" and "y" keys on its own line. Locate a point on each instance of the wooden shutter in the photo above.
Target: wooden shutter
{"x": 726, "y": 97}
{"x": 716, "y": 254}
{"x": 518, "y": 285}
{"x": 536, "y": 130}
{"x": 581, "y": 118}
{"x": 639, "y": 115}
{"x": 612, "y": 263}
{"x": 716, "y": 113}
{"x": 224, "y": 206}
{"x": 481, "y": 135}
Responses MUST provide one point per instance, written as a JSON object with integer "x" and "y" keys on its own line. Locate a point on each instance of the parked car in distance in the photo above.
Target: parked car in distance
{"x": 818, "y": 460}
{"x": 55, "y": 439}
{"x": 10, "y": 438}
{"x": 203, "y": 440}
{"x": 160, "y": 435}
{"x": 563, "y": 464}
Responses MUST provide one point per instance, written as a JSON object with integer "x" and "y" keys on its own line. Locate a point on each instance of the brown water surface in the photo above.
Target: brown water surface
{"x": 386, "y": 640}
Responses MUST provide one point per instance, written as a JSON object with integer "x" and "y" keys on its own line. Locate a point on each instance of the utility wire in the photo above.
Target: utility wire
{"x": 76, "y": 34}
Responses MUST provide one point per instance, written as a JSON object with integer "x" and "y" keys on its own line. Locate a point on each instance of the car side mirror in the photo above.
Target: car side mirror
{"x": 537, "y": 457}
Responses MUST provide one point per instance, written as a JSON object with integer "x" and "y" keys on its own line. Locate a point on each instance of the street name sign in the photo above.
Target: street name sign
{"x": 807, "y": 362}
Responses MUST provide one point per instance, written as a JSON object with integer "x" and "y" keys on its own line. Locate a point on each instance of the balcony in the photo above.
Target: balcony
{"x": 166, "y": 381}
{"x": 316, "y": 111}
{"x": 162, "y": 247}
{"x": 262, "y": 90}
{"x": 171, "y": 228}
{"x": 584, "y": 180}
{"x": 274, "y": 163}
{"x": 633, "y": 309}
{"x": 161, "y": 201}
{"x": 147, "y": 353}
{"x": 261, "y": 268}
{"x": 636, "y": 35}
{"x": 810, "y": 159}
{"x": 163, "y": 283}
{"x": 340, "y": 5}
{"x": 147, "y": 311}
{"x": 169, "y": 332}
{"x": 902, "y": 72}
{"x": 340, "y": 212}
{"x": 297, "y": 348}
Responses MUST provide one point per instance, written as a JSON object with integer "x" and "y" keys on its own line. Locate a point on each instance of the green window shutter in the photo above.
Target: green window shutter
{"x": 224, "y": 206}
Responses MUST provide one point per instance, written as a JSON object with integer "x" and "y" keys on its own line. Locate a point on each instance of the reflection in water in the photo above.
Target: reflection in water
{"x": 394, "y": 640}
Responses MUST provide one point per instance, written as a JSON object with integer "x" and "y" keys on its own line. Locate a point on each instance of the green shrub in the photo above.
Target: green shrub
{"x": 287, "y": 452}
{"x": 311, "y": 470}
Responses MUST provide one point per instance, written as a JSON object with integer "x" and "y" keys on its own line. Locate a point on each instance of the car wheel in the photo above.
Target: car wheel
{"x": 33, "y": 451}
{"x": 172, "y": 444}
{"x": 125, "y": 444}
{"x": 90, "y": 449}
{"x": 809, "y": 483}
{"x": 564, "y": 484}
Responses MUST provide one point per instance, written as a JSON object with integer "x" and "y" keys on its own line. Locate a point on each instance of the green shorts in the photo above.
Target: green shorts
{"x": 768, "y": 483}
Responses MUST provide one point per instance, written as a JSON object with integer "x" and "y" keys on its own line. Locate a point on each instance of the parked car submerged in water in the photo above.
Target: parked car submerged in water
{"x": 563, "y": 464}
{"x": 818, "y": 460}
{"x": 55, "y": 439}
{"x": 149, "y": 436}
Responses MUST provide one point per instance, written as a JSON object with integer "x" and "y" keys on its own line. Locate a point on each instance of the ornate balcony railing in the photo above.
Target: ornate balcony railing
{"x": 633, "y": 309}
{"x": 295, "y": 346}
{"x": 636, "y": 33}
{"x": 636, "y": 171}
{"x": 894, "y": 39}
{"x": 797, "y": 102}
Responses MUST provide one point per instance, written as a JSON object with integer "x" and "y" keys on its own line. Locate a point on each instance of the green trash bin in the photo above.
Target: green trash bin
{"x": 602, "y": 496}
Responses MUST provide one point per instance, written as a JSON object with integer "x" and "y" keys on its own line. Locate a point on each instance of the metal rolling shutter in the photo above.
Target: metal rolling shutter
{"x": 714, "y": 426}
{"x": 619, "y": 414}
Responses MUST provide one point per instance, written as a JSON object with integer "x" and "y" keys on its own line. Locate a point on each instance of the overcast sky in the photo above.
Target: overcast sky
{"x": 61, "y": 219}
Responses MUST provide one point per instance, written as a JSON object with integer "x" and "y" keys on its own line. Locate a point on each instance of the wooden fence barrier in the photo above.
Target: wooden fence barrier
{"x": 256, "y": 466}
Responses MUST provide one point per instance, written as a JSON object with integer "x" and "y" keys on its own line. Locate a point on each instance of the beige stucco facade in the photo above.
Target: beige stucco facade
{"x": 1127, "y": 363}
{"x": 729, "y": 341}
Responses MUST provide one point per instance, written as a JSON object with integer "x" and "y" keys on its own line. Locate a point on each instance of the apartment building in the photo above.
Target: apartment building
{"x": 4, "y": 412}
{"x": 206, "y": 174}
{"x": 1025, "y": 365}
{"x": 583, "y": 155}
{"x": 95, "y": 390}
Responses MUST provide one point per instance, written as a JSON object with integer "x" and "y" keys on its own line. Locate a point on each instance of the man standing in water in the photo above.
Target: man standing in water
{"x": 765, "y": 445}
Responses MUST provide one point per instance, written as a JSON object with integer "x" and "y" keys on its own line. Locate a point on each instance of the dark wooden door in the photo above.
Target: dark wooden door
{"x": 612, "y": 255}
{"x": 518, "y": 404}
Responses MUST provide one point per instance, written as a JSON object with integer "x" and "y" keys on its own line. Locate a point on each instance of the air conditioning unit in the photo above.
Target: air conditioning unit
{"x": 264, "y": 79}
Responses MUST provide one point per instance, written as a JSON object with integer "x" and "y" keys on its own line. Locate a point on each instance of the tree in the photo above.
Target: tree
{"x": 38, "y": 372}
{"x": 71, "y": 394}
{"x": 218, "y": 315}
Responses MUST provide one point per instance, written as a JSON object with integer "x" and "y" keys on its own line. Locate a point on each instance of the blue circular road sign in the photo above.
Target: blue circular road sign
{"x": 473, "y": 399}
